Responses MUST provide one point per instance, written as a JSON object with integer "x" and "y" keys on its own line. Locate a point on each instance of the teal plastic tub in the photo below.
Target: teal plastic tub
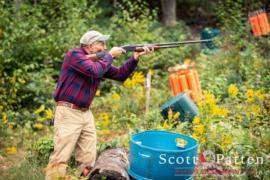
{"x": 183, "y": 104}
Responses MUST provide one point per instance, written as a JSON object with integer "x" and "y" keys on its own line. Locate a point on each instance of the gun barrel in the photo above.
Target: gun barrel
{"x": 172, "y": 43}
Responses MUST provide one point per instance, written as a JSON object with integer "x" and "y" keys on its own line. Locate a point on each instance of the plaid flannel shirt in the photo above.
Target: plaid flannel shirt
{"x": 80, "y": 76}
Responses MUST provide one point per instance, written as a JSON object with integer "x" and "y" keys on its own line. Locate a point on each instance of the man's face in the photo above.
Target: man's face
{"x": 96, "y": 47}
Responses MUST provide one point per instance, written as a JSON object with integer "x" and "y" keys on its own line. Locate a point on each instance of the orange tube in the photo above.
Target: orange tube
{"x": 192, "y": 85}
{"x": 262, "y": 23}
{"x": 176, "y": 84}
{"x": 199, "y": 90}
{"x": 183, "y": 82}
{"x": 265, "y": 18}
{"x": 171, "y": 84}
{"x": 254, "y": 22}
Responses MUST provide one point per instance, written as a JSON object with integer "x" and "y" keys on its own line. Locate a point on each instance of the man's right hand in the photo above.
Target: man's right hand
{"x": 116, "y": 52}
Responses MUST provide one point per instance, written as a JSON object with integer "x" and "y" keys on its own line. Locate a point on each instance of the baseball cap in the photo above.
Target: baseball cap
{"x": 93, "y": 36}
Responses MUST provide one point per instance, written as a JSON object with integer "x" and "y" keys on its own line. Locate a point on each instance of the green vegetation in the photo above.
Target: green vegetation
{"x": 234, "y": 115}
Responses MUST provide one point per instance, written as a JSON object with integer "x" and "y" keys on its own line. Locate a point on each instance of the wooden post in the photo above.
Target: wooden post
{"x": 148, "y": 89}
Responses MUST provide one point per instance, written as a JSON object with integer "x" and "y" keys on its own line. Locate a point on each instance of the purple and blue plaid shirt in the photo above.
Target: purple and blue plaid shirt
{"x": 80, "y": 76}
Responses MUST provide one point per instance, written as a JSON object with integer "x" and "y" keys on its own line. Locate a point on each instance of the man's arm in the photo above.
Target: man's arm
{"x": 122, "y": 73}
{"x": 82, "y": 64}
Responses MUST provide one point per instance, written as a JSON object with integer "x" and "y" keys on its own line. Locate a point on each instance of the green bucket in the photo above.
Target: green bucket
{"x": 183, "y": 104}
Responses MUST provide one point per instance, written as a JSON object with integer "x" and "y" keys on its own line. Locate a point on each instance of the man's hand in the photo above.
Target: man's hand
{"x": 116, "y": 52}
{"x": 147, "y": 50}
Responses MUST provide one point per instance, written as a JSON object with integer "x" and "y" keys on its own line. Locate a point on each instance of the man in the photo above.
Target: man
{"x": 80, "y": 76}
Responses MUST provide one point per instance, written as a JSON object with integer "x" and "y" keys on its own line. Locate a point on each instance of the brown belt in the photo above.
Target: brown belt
{"x": 70, "y": 105}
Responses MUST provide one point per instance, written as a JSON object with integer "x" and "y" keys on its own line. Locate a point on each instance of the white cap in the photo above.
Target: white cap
{"x": 93, "y": 36}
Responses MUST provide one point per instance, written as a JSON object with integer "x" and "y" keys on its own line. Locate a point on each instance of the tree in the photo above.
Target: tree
{"x": 168, "y": 12}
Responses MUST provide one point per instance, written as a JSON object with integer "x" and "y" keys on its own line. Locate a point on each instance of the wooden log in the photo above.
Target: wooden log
{"x": 112, "y": 164}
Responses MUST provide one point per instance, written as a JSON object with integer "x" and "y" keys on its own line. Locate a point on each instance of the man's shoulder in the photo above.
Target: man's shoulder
{"x": 75, "y": 50}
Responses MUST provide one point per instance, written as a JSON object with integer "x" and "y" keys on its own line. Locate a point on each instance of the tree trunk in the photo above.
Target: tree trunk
{"x": 168, "y": 12}
{"x": 112, "y": 164}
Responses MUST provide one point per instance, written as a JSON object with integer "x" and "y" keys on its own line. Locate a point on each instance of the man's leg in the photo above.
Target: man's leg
{"x": 68, "y": 124}
{"x": 86, "y": 147}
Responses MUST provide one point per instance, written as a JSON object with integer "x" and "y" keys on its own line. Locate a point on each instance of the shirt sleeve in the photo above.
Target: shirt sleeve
{"x": 122, "y": 73}
{"x": 95, "y": 69}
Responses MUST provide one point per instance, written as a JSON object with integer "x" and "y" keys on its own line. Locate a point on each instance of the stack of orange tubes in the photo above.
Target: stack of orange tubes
{"x": 185, "y": 78}
{"x": 259, "y": 23}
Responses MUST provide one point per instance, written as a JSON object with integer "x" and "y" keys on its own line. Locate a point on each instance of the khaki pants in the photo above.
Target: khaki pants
{"x": 72, "y": 129}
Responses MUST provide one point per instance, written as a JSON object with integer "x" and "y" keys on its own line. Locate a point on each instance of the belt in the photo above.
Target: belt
{"x": 70, "y": 105}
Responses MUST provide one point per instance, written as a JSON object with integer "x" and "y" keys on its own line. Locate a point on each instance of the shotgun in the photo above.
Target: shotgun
{"x": 156, "y": 46}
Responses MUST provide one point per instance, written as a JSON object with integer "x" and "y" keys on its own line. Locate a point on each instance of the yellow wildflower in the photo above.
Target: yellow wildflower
{"x": 209, "y": 98}
{"x": 239, "y": 118}
{"x": 196, "y": 120}
{"x": 170, "y": 114}
{"x": 105, "y": 119}
{"x": 259, "y": 95}
{"x": 38, "y": 125}
{"x": 199, "y": 129}
{"x": 233, "y": 90}
{"x": 49, "y": 114}
{"x": 219, "y": 111}
{"x": 98, "y": 93}
{"x": 226, "y": 140}
{"x": 176, "y": 115}
{"x": 4, "y": 119}
{"x": 256, "y": 110}
{"x": 202, "y": 141}
{"x": 195, "y": 136}
{"x": 115, "y": 96}
{"x": 166, "y": 125}
{"x": 250, "y": 95}
{"x": 137, "y": 78}
{"x": 40, "y": 109}
{"x": 187, "y": 61}
{"x": 11, "y": 150}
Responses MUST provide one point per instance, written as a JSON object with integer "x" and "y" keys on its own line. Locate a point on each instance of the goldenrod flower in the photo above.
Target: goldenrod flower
{"x": 115, "y": 96}
{"x": 176, "y": 115}
{"x": 4, "y": 118}
{"x": 219, "y": 111}
{"x": 98, "y": 93}
{"x": 250, "y": 95}
{"x": 49, "y": 114}
{"x": 226, "y": 140}
{"x": 256, "y": 110}
{"x": 196, "y": 120}
{"x": 11, "y": 150}
{"x": 166, "y": 125}
{"x": 198, "y": 129}
{"x": 233, "y": 90}
{"x": 40, "y": 109}
{"x": 137, "y": 78}
{"x": 209, "y": 98}
{"x": 170, "y": 114}
{"x": 38, "y": 125}
{"x": 260, "y": 95}
{"x": 187, "y": 61}
{"x": 105, "y": 119}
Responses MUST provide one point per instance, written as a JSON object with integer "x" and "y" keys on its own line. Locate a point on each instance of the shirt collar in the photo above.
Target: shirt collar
{"x": 84, "y": 50}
